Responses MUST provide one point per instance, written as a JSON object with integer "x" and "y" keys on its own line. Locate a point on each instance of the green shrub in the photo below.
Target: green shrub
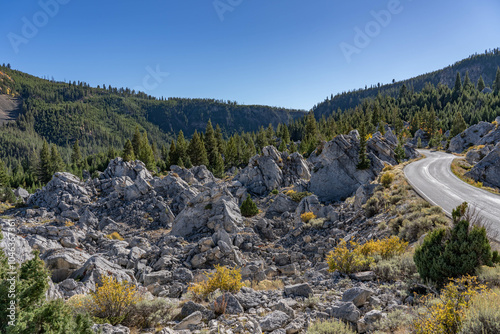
{"x": 490, "y": 275}
{"x": 447, "y": 254}
{"x": 413, "y": 229}
{"x": 297, "y": 196}
{"x": 149, "y": 313}
{"x": 482, "y": 315}
{"x": 249, "y": 208}
{"x": 333, "y": 326}
{"x": 372, "y": 207}
{"x": 33, "y": 313}
{"x": 387, "y": 178}
{"x": 275, "y": 192}
{"x": 395, "y": 320}
{"x": 400, "y": 267}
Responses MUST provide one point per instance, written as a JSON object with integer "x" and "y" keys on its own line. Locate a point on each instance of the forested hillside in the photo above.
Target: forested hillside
{"x": 103, "y": 118}
{"x": 478, "y": 65}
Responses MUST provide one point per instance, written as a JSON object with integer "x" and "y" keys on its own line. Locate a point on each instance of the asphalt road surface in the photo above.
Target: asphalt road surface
{"x": 433, "y": 179}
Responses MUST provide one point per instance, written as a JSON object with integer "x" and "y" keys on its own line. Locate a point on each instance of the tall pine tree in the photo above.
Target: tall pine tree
{"x": 56, "y": 162}
{"x": 76, "y": 155}
{"x": 197, "y": 151}
{"x": 128, "y": 151}
{"x": 44, "y": 165}
{"x": 363, "y": 161}
{"x": 496, "y": 85}
{"x": 146, "y": 153}
{"x": 480, "y": 84}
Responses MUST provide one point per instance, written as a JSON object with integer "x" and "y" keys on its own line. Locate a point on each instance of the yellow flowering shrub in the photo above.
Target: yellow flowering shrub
{"x": 112, "y": 300}
{"x": 385, "y": 248}
{"x": 446, "y": 315}
{"x": 115, "y": 236}
{"x": 346, "y": 259}
{"x": 307, "y": 216}
{"x": 224, "y": 278}
{"x": 351, "y": 257}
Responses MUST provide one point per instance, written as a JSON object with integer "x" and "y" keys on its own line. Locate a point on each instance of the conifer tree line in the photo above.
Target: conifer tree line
{"x": 435, "y": 110}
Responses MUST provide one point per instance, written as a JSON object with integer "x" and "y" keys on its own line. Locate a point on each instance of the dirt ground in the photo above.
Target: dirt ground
{"x": 9, "y": 108}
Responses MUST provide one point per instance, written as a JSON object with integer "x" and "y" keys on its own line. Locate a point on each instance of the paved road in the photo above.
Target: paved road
{"x": 433, "y": 179}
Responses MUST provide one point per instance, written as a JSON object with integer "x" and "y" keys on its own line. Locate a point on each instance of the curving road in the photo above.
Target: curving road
{"x": 433, "y": 179}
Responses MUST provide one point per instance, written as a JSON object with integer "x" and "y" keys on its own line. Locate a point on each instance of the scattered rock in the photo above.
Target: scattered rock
{"x": 273, "y": 321}
{"x": 298, "y": 290}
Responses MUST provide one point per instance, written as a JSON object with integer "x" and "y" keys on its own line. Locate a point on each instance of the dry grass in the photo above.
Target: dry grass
{"x": 410, "y": 215}
{"x": 265, "y": 285}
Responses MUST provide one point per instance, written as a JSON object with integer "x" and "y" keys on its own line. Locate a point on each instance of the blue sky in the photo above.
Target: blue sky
{"x": 286, "y": 53}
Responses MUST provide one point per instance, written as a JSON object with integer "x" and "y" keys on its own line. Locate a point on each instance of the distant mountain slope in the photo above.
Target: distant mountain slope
{"x": 484, "y": 65}
{"x": 101, "y": 118}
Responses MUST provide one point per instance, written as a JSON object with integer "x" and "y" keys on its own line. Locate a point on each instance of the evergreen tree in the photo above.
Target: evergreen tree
{"x": 231, "y": 152}
{"x": 4, "y": 177}
{"x": 270, "y": 134}
{"x": 211, "y": 146}
{"x": 458, "y": 83}
{"x": 285, "y": 134}
{"x": 76, "y": 155}
{"x": 311, "y": 130}
{"x": 363, "y": 161}
{"x": 173, "y": 157}
{"x": 146, "y": 153}
{"x": 431, "y": 126}
{"x": 467, "y": 83}
{"x": 221, "y": 144}
{"x": 293, "y": 147}
{"x": 218, "y": 169}
{"x": 496, "y": 85}
{"x": 399, "y": 152}
{"x": 181, "y": 147}
{"x": 56, "y": 162}
{"x": 136, "y": 142}
{"x": 128, "y": 151}
{"x": 458, "y": 125}
{"x": 282, "y": 147}
{"x": 44, "y": 166}
{"x": 448, "y": 255}
{"x": 34, "y": 314}
{"x": 480, "y": 84}
{"x": 457, "y": 89}
{"x": 261, "y": 139}
{"x": 196, "y": 150}
{"x": 249, "y": 208}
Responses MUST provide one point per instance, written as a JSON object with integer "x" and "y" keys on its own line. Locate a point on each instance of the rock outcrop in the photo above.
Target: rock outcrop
{"x": 335, "y": 175}
{"x": 487, "y": 170}
{"x": 273, "y": 170}
{"x": 470, "y": 137}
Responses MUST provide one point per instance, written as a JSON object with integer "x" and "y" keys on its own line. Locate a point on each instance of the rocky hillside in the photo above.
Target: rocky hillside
{"x": 164, "y": 233}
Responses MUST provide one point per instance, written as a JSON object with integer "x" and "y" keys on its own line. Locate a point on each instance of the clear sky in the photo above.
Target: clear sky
{"x": 286, "y": 53}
